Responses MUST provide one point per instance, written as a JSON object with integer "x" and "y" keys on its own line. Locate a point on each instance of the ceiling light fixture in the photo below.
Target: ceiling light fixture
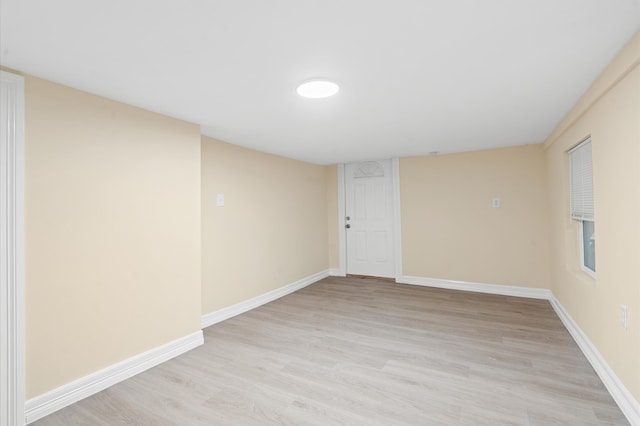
{"x": 316, "y": 89}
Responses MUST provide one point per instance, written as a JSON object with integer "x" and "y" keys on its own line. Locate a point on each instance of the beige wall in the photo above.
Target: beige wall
{"x": 272, "y": 230}
{"x": 610, "y": 113}
{"x": 332, "y": 214}
{"x": 450, "y": 230}
{"x": 115, "y": 194}
{"x": 112, "y": 233}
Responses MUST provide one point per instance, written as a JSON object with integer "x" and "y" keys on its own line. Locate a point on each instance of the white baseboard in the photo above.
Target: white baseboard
{"x": 336, "y": 272}
{"x": 505, "y": 290}
{"x": 63, "y": 396}
{"x": 627, "y": 403}
{"x": 242, "y": 307}
{"x": 43, "y": 405}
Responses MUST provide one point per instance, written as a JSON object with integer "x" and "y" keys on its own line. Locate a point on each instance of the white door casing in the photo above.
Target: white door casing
{"x": 369, "y": 218}
{"x": 11, "y": 249}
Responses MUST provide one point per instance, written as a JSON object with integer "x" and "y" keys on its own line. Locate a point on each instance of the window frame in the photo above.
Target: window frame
{"x": 581, "y": 219}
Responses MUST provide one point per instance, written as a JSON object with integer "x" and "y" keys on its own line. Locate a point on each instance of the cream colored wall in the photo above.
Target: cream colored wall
{"x": 610, "y": 113}
{"x": 450, "y": 230}
{"x": 272, "y": 230}
{"x": 332, "y": 214}
{"x": 113, "y": 224}
{"x": 112, "y": 233}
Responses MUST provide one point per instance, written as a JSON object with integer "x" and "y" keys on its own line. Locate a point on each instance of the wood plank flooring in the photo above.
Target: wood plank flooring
{"x": 353, "y": 351}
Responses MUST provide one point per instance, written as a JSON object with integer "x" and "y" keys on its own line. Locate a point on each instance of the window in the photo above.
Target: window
{"x": 588, "y": 234}
{"x": 582, "y": 201}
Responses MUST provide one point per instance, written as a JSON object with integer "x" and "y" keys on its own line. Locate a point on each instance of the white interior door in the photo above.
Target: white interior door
{"x": 369, "y": 218}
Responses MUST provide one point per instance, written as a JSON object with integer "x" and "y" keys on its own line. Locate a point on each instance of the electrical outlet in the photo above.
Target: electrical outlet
{"x": 623, "y": 316}
{"x": 495, "y": 203}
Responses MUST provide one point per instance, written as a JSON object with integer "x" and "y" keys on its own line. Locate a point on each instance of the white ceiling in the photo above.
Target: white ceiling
{"x": 416, "y": 76}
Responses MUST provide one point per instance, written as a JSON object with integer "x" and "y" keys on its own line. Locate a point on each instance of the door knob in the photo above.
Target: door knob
{"x": 347, "y": 226}
{"x": 348, "y": 218}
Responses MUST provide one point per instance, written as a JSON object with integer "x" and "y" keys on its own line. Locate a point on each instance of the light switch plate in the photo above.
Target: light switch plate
{"x": 220, "y": 200}
{"x": 623, "y": 316}
{"x": 495, "y": 203}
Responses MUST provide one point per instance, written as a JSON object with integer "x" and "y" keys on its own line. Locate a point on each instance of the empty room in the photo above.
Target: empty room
{"x": 320, "y": 213}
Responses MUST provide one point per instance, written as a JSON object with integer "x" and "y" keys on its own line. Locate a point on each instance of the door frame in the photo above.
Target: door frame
{"x": 397, "y": 221}
{"x": 12, "y": 253}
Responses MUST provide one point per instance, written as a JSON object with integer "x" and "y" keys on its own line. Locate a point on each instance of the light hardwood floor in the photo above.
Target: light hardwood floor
{"x": 352, "y": 351}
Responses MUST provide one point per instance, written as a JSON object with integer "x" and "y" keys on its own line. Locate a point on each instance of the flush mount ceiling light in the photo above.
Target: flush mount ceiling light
{"x": 316, "y": 89}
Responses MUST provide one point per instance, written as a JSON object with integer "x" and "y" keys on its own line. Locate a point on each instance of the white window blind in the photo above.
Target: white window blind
{"x": 581, "y": 181}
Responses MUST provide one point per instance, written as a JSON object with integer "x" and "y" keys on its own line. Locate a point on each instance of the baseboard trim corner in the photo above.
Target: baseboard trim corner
{"x": 337, "y": 272}
{"x": 242, "y": 307}
{"x": 50, "y": 402}
{"x": 504, "y": 290}
{"x": 619, "y": 392}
